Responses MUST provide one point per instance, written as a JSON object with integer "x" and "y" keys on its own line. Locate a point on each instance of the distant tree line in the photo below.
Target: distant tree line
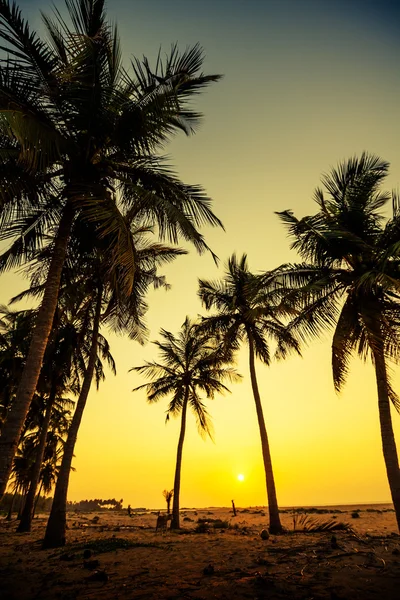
{"x": 43, "y": 504}
{"x": 94, "y": 505}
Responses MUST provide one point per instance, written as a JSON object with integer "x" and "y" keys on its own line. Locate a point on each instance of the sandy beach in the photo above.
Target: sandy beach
{"x": 110, "y": 555}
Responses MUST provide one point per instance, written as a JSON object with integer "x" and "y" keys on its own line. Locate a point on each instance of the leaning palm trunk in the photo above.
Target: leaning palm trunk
{"x": 28, "y": 512}
{"x": 387, "y": 434}
{"x": 10, "y": 510}
{"x": 37, "y": 497}
{"x": 175, "y": 524}
{"x": 275, "y": 526}
{"x": 56, "y": 525}
{"x": 12, "y": 428}
{"x": 24, "y": 491}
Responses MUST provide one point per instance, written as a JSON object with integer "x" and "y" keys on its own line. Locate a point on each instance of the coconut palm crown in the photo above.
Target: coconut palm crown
{"x": 350, "y": 282}
{"x": 81, "y": 136}
{"x": 249, "y": 312}
{"x": 191, "y": 363}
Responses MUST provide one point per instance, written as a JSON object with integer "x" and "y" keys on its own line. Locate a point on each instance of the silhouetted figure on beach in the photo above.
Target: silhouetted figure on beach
{"x": 129, "y": 510}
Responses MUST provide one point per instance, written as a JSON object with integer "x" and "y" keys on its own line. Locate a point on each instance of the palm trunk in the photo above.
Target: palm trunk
{"x": 12, "y": 428}
{"x": 27, "y": 514}
{"x": 37, "y": 498}
{"x": 275, "y": 526}
{"x": 177, "y": 481}
{"x": 387, "y": 434}
{"x": 56, "y": 525}
{"x": 10, "y": 510}
{"x": 22, "y": 503}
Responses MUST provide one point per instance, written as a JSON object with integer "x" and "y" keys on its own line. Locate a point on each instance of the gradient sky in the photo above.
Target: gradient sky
{"x": 306, "y": 84}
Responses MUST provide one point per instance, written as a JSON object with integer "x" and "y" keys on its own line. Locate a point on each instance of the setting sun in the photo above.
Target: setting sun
{"x": 240, "y": 477}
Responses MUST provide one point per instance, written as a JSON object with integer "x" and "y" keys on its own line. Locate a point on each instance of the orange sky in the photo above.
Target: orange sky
{"x": 302, "y": 90}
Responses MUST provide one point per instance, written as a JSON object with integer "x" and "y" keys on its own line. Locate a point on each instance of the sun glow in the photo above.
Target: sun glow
{"x": 240, "y": 477}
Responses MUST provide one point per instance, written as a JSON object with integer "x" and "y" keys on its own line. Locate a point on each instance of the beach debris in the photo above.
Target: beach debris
{"x": 99, "y": 575}
{"x": 209, "y": 570}
{"x": 308, "y": 524}
{"x": 87, "y": 553}
{"x": 264, "y": 535}
{"x": 66, "y": 556}
{"x": 209, "y": 525}
{"x": 202, "y": 527}
{"x": 96, "y": 519}
{"x": 91, "y": 564}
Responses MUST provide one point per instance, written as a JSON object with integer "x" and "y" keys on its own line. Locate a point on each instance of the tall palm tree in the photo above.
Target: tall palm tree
{"x": 105, "y": 306}
{"x": 246, "y": 312}
{"x": 80, "y": 136}
{"x": 191, "y": 363}
{"x": 57, "y": 377}
{"x": 55, "y": 442}
{"x": 350, "y": 281}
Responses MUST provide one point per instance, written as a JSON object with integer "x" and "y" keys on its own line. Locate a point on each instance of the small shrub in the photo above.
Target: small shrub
{"x": 220, "y": 524}
{"x": 202, "y": 528}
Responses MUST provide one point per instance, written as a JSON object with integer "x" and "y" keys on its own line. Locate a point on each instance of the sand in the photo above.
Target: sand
{"x": 128, "y": 560}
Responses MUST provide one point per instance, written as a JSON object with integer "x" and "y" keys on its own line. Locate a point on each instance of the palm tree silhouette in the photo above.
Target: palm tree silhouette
{"x": 104, "y": 304}
{"x": 246, "y": 312}
{"x": 191, "y": 363}
{"x": 15, "y": 336}
{"x": 81, "y": 136}
{"x": 350, "y": 281}
{"x": 58, "y": 376}
{"x": 168, "y": 494}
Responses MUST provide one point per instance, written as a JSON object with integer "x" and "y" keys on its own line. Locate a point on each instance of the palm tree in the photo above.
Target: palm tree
{"x": 23, "y": 464}
{"x": 350, "y": 281}
{"x": 56, "y": 525}
{"x": 168, "y": 495}
{"x": 15, "y": 335}
{"x": 55, "y": 442}
{"x": 79, "y": 137}
{"x": 247, "y": 313}
{"x": 106, "y": 306}
{"x": 191, "y": 363}
{"x": 57, "y": 377}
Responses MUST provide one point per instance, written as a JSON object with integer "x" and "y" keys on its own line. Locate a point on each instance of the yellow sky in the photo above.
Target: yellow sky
{"x": 299, "y": 94}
